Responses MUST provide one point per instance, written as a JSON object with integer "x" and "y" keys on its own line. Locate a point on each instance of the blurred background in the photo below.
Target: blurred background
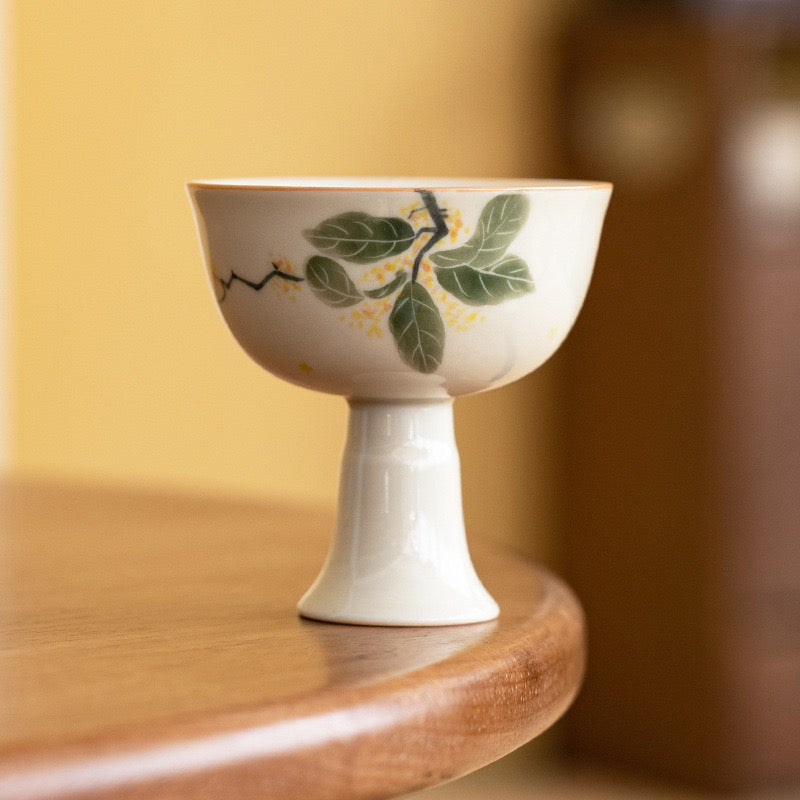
{"x": 654, "y": 461}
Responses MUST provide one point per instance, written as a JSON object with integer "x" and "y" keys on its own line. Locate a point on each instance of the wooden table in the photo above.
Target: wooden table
{"x": 149, "y": 647}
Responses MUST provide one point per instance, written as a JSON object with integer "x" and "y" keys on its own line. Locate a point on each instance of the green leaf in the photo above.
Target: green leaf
{"x": 331, "y": 283}
{"x": 499, "y": 222}
{"x": 418, "y": 329}
{"x": 362, "y": 238}
{"x": 474, "y": 286}
{"x": 388, "y": 288}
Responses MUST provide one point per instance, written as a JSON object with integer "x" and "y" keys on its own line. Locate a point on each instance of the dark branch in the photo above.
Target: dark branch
{"x": 256, "y": 285}
{"x": 438, "y": 231}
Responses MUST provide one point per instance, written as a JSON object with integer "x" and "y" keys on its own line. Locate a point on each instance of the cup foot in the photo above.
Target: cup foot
{"x": 399, "y": 554}
{"x": 410, "y": 597}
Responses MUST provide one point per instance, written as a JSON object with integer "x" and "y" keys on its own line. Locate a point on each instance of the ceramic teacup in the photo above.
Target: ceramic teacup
{"x": 399, "y": 295}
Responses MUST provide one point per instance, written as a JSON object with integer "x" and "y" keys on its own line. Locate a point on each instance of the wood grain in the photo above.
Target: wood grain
{"x": 149, "y": 647}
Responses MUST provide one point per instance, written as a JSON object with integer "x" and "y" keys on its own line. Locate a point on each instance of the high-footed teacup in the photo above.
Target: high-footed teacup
{"x": 400, "y": 295}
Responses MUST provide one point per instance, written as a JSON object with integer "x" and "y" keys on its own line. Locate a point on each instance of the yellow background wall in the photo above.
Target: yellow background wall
{"x": 121, "y": 369}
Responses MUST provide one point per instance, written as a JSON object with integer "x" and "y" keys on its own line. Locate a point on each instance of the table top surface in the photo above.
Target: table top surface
{"x": 149, "y": 646}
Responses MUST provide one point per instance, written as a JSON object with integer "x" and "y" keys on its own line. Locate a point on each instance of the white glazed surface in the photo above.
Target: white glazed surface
{"x": 399, "y": 554}
{"x": 245, "y": 227}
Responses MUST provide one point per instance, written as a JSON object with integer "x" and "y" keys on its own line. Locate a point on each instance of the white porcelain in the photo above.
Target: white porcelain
{"x": 399, "y": 295}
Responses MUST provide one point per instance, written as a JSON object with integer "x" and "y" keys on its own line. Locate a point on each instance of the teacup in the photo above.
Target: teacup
{"x": 400, "y": 295}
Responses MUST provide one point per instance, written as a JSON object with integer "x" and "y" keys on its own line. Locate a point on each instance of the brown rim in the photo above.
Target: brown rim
{"x": 394, "y": 185}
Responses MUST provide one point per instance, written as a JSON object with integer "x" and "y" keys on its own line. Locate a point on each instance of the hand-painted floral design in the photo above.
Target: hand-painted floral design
{"x": 421, "y": 285}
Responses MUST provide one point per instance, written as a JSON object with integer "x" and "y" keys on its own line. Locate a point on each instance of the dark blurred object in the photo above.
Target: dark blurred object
{"x": 682, "y": 391}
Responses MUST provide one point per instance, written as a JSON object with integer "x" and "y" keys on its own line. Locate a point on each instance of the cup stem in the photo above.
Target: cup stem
{"x": 399, "y": 554}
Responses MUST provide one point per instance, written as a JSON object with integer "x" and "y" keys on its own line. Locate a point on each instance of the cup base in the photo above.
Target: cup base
{"x": 405, "y": 600}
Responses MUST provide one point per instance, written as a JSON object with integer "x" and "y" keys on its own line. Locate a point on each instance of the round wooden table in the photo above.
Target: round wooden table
{"x": 149, "y": 647}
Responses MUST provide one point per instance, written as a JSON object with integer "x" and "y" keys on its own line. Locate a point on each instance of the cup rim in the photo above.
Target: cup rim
{"x": 395, "y": 184}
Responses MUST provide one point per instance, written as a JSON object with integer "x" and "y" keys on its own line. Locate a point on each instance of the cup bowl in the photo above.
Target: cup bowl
{"x": 415, "y": 289}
